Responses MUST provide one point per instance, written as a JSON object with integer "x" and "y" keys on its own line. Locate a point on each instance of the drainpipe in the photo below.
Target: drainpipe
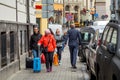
{"x": 28, "y": 20}
{"x": 18, "y": 54}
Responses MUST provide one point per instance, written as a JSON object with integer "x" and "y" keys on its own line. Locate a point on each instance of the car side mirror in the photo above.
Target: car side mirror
{"x": 111, "y": 48}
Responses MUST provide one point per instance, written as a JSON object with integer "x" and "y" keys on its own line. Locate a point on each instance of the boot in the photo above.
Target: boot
{"x": 50, "y": 69}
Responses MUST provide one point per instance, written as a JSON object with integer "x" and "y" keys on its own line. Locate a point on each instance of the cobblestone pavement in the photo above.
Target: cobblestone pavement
{"x": 61, "y": 72}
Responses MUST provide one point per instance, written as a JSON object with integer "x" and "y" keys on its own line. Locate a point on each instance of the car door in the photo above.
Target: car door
{"x": 111, "y": 38}
{"x": 100, "y": 54}
{"x": 92, "y": 49}
{"x": 104, "y": 49}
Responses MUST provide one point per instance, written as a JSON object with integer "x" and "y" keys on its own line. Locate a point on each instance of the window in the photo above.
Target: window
{"x": 12, "y": 48}
{"x": 3, "y": 49}
{"x": 86, "y": 36}
{"x": 114, "y": 37}
{"x": 105, "y": 35}
{"x": 38, "y": 20}
{"x": 25, "y": 41}
{"x": 21, "y": 50}
{"x": 109, "y": 36}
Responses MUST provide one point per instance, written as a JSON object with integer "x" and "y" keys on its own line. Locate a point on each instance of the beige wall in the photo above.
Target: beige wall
{"x": 108, "y": 9}
{"x": 44, "y": 25}
{"x": 101, "y": 0}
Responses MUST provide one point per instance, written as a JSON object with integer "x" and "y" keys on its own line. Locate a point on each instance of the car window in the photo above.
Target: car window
{"x": 109, "y": 36}
{"x": 114, "y": 37}
{"x": 105, "y": 35}
{"x": 86, "y": 36}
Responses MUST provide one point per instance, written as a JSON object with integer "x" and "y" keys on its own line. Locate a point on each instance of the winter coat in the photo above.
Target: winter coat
{"x": 48, "y": 41}
{"x": 34, "y": 40}
{"x": 59, "y": 40}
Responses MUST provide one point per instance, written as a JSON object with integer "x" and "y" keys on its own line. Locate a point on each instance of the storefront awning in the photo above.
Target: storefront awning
{"x": 58, "y": 6}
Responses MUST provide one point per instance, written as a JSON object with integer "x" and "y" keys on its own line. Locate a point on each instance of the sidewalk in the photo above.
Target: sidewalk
{"x": 62, "y": 72}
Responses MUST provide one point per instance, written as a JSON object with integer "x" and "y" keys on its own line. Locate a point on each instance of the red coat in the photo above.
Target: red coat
{"x": 48, "y": 38}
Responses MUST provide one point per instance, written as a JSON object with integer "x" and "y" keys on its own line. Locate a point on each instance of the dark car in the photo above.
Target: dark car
{"x": 90, "y": 51}
{"x": 86, "y": 35}
{"x": 108, "y": 53}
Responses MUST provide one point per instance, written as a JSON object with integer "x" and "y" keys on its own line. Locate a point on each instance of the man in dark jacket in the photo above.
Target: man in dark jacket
{"x": 33, "y": 42}
{"x": 74, "y": 42}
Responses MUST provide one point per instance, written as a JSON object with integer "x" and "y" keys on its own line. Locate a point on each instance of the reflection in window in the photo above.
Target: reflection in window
{"x": 114, "y": 37}
{"x": 12, "y": 48}
{"x": 109, "y": 36}
{"x": 3, "y": 49}
{"x": 86, "y": 36}
{"x": 105, "y": 35}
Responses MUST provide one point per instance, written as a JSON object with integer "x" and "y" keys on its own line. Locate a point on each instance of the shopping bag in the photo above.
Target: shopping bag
{"x": 55, "y": 59}
{"x": 42, "y": 58}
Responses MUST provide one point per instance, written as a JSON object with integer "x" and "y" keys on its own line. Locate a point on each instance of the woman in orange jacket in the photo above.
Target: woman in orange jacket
{"x": 48, "y": 41}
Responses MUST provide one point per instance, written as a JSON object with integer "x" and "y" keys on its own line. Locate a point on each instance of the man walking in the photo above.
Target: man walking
{"x": 33, "y": 42}
{"x": 74, "y": 38}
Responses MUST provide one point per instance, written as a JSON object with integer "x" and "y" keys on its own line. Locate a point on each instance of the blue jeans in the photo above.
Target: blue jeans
{"x": 35, "y": 53}
{"x": 73, "y": 54}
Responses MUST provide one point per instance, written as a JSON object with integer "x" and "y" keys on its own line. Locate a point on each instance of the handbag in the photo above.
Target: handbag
{"x": 45, "y": 49}
{"x": 55, "y": 59}
{"x": 42, "y": 58}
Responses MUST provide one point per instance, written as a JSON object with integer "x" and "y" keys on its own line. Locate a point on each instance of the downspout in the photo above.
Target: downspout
{"x": 17, "y": 34}
{"x": 28, "y": 20}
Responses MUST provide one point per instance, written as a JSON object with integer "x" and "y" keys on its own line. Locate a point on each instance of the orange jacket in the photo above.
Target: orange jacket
{"x": 48, "y": 38}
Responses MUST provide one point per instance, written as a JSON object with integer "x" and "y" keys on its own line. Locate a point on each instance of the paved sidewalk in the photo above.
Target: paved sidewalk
{"x": 62, "y": 72}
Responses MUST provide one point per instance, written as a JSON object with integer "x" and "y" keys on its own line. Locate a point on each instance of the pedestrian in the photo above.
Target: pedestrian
{"x": 74, "y": 42}
{"x": 48, "y": 41}
{"x": 59, "y": 42}
{"x": 33, "y": 42}
{"x": 64, "y": 40}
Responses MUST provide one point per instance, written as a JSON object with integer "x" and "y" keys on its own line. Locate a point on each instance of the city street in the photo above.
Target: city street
{"x": 62, "y": 72}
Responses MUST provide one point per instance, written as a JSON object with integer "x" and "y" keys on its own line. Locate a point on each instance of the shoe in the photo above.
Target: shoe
{"x": 59, "y": 62}
{"x": 50, "y": 69}
{"x": 74, "y": 67}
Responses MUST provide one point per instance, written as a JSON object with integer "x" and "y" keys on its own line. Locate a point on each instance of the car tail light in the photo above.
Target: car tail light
{"x": 99, "y": 42}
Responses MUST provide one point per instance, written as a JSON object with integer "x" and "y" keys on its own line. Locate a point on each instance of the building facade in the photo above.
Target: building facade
{"x": 17, "y": 20}
{"x": 103, "y": 9}
{"x": 115, "y": 9}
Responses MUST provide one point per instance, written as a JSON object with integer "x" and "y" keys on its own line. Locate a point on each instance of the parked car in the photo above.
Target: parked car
{"x": 108, "y": 53}
{"x": 86, "y": 35}
{"x": 90, "y": 50}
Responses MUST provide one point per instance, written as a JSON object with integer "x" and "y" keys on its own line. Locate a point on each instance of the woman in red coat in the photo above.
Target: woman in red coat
{"x": 48, "y": 41}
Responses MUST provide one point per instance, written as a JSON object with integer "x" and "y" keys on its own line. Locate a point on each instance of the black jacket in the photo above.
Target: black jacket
{"x": 34, "y": 40}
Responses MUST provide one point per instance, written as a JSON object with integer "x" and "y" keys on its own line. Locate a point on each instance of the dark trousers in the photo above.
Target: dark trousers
{"x": 59, "y": 52}
{"x": 73, "y": 54}
{"x": 49, "y": 59}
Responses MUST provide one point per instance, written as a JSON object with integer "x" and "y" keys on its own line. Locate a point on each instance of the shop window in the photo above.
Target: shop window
{"x": 3, "y": 49}
{"x": 12, "y": 46}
